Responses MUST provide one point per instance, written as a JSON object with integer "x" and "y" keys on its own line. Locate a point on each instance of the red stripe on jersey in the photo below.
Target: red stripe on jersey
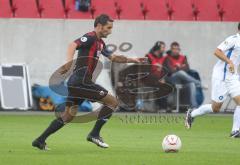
{"x": 91, "y": 59}
{"x": 93, "y": 33}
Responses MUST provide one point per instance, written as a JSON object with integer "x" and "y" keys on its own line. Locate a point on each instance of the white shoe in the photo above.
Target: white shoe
{"x": 189, "y": 119}
{"x": 98, "y": 141}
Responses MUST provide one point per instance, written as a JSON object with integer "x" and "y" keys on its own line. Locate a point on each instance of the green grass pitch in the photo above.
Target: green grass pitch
{"x": 131, "y": 143}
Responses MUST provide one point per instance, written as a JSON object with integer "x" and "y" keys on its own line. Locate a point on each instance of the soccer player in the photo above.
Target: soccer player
{"x": 225, "y": 81}
{"x": 80, "y": 85}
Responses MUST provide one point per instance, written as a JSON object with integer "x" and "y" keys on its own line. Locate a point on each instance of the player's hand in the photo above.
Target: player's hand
{"x": 231, "y": 67}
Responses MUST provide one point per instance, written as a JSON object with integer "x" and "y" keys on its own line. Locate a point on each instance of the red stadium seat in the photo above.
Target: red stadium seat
{"x": 181, "y": 10}
{"x": 156, "y": 10}
{"x": 5, "y": 10}
{"x": 106, "y": 7}
{"x": 52, "y": 8}
{"x": 232, "y": 11}
{"x": 25, "y": 9}
{"x": 130, "y": 9}
{"x": 73, "y": 13}
{"x": 207, "y": 10}
{"x": 56, "y": 9}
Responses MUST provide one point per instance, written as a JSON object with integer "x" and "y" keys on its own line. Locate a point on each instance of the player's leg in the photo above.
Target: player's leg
{"x": 69, "y": 113}
{"x": 219, "y": 94}
{"x": 207, "y": 108}
{"x": 234, "y": 90}
{"x": 110, "y": 104}
{"x": 236, "y": 119}
{"x": 202, "y": 110}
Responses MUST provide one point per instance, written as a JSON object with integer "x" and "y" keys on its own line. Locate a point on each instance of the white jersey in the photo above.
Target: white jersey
{"x": 231, "y": 48}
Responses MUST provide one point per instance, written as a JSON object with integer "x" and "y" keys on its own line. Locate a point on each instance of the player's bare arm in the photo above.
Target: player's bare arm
{"x": 224, "y": 58}
{"x": 124, "y": 59}
{"x": 70, "y": 54}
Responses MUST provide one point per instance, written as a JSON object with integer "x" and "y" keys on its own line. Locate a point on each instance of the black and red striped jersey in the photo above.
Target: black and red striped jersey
{"x": 89, "y": 49}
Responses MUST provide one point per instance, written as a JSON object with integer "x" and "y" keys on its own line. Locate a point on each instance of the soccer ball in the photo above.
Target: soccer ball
{"x": 171, "y": 143}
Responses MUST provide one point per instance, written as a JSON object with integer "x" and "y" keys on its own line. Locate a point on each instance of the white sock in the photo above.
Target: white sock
{"x": 204, "y": 109}
{"x": 236, "y": 119}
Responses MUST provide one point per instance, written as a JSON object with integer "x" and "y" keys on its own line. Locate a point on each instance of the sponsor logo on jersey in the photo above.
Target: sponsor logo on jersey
{"x": 83, "y": 39}
{"x": 101, "y": 93}
{"x": 220, "y": 97}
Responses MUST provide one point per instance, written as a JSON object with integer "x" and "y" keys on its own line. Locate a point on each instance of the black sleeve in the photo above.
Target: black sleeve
{"x": 85, "y": 41}
{"x": 105, "y": 51}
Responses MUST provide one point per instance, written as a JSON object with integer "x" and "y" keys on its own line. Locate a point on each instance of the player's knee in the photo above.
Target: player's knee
{"x": 110, "y": 101}
{"x": 69, "y": 114}
{"x": 115, "y": 104}
{"x": 216, "y": 108}
{"x": 181, "y": 73}
{"x": 67, "y": 118}
{"x": 237, "y": 100}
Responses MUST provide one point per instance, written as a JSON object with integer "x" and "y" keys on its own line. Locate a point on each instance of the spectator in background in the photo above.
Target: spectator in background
{"x": 82, "y": 5}
{"x": 156, "y": 58}
{"x": 178, "y": 67}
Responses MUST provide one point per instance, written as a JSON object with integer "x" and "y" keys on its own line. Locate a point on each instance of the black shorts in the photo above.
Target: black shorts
{"x": 79, "y": 90}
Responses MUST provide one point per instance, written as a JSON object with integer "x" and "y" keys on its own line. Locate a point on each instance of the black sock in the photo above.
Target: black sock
{"x": 53, "y": 127}
{"x": 104, "y": 114}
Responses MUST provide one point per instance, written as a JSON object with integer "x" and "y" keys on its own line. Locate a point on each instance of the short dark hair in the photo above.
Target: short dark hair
{"x": 102, "y": 19}
{"x": 239, "y": 26}
{"x": 175, "y": 44}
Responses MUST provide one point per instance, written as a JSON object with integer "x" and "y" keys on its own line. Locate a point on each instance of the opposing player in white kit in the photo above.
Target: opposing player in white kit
{"x": 225, "y": 81}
